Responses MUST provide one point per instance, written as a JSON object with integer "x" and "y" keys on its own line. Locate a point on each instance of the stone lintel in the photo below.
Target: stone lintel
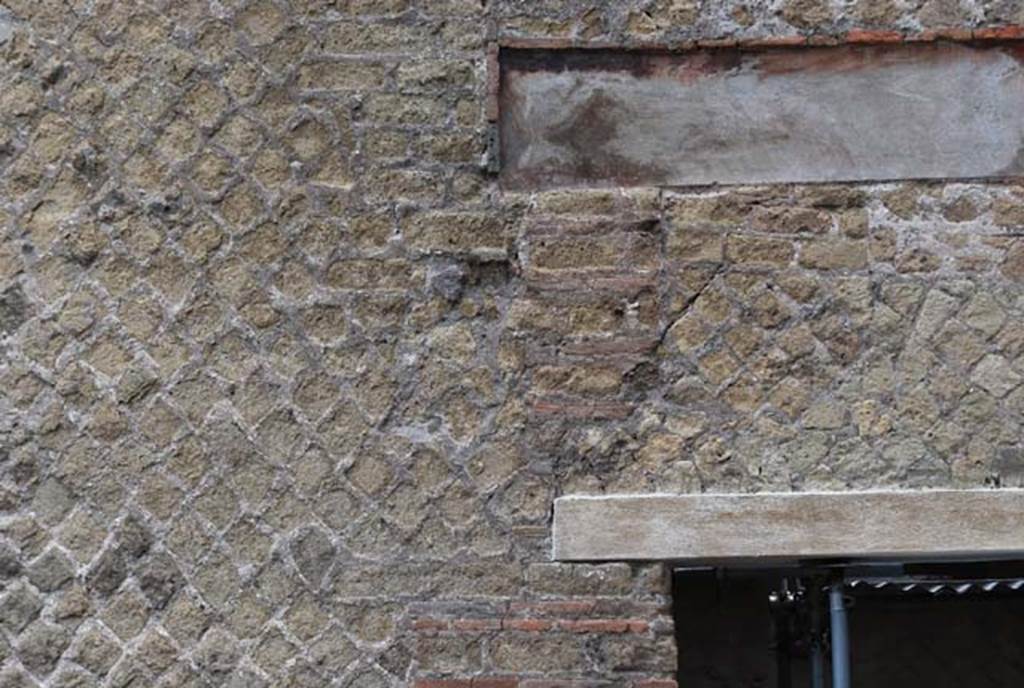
{"x": 790, "y": 526}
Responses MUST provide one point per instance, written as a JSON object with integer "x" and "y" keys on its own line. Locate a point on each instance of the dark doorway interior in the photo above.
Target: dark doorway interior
{"x": 928, "y": 625}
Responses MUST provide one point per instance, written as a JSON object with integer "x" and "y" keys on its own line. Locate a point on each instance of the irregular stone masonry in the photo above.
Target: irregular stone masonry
{"x": 290, "y": 384}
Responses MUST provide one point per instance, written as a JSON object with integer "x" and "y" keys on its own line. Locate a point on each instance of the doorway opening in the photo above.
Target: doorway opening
{"x": 885, "y": 624}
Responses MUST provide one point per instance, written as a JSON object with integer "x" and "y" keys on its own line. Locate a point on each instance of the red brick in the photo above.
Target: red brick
{"x": 528, "y": 625}
{"x": 596, "y": 626}
{"x": 718, "y": 43}
{"x": 873, "y": 37}
{"x": 656, "y": 683}
{"x": 491, "y": 103}
{"x": 605, "y": 626}
{"x": 1000, "y": 33}
{"x": 623, "y": 283}
{"x": 555, "y": 608}
{"x": 583, "y": 409}
{"x": 495, "y": 682}
{"x": 855, "y": 36}
{"x": 610, "y": 347}
{"x": 476, "y": 682}
{"x": 429, "y": 625}
{"x": 476, "y": 625}
{"x": 823, "y": 39}
{"x": 940, "y": 34}
{"x": 639, "y": 626}
{"x": 538, "y": 43}
{"x": 775, "y": 41}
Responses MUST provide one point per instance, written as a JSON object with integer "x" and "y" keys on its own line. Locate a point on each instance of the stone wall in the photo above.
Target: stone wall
{"x": 290, "y": 384}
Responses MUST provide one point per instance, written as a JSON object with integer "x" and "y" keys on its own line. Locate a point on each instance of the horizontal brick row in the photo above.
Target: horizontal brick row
{"x": 857, "y": 36}
{"x": 534, "y": 625}
{"x": 513, "y": 682}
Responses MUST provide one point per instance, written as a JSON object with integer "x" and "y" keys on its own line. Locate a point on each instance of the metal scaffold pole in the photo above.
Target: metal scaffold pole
{"x": 817, "y": 635}
{"x": 840, "y": 638}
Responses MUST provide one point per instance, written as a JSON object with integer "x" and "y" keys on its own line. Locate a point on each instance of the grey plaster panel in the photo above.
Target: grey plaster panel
{"x": 906, "y": 111}
{"x": 789, "y": 526}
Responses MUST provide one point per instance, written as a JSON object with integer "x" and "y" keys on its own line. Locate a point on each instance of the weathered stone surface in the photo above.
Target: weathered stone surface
{"x": 109, "y": 572}
{"x": 50, "y": 572}
{"x": 159, "y": 579}
{"x": 573, "y": 118}
{"x": 19, "y": 606}
{"x": 10, "y": 566}
{"x": 41, "y": 645}
{"x": 994, "y": 374}
{"x": 6, "y": 29}
{"x": 313, "y": 554}
{"x": 791, "y": 526}
{"x": 291, "y": 381}
{"x": 13, "y": 310}
{"x": 96, "y": 650}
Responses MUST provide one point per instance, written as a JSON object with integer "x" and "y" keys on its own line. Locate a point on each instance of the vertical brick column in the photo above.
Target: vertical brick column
{"x": 587, "y": 318}
{"x": 584, "y": 317}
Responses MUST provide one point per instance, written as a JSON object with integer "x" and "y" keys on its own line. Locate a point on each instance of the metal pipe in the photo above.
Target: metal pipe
{"x": 817, "y": 635}
{"x": 780, "y": 608}
{"x": 840, "y": 638}
{"x": 817, "y": 666}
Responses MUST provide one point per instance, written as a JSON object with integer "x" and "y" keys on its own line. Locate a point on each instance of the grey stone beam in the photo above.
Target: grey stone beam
{"x": 730, "y": 116}
{"x": 790, "y": 526}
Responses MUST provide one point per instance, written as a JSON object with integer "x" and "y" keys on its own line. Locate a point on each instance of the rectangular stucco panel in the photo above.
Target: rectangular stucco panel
{"x": 910, "y": 111}
{"x": 789, "y": 526}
